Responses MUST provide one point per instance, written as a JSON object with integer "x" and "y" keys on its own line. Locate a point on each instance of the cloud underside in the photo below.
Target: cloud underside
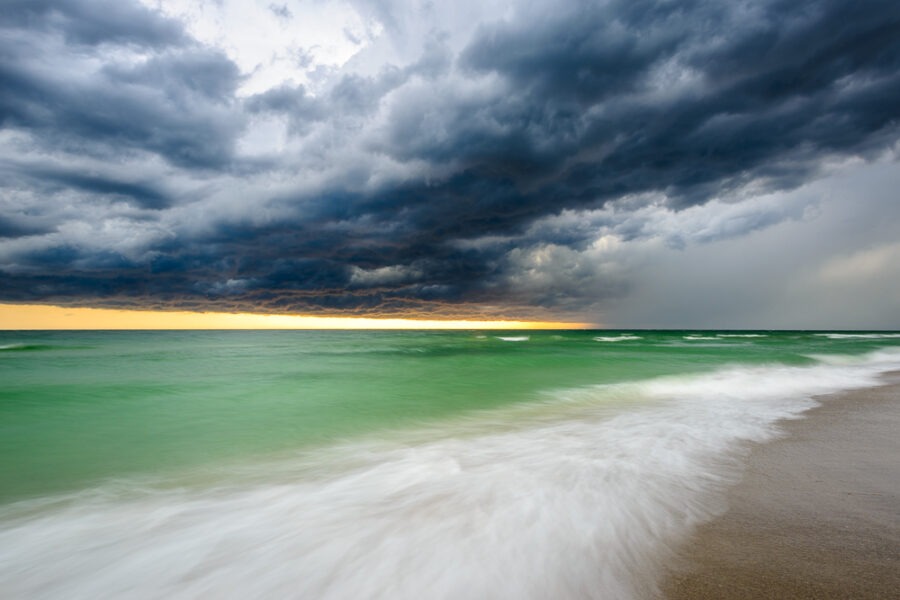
{"x": 508, "y": 171}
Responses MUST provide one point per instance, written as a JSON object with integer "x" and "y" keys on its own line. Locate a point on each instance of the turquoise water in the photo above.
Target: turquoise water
{"x": 94, "y": 422}
{"x": 83, "y": 406}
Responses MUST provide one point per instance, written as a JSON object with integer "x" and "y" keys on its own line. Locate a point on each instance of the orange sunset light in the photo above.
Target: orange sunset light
{"x": 34, "y": 316}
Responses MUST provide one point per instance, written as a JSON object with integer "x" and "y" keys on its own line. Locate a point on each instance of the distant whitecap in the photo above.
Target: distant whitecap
{"x": 625, "y": 337}
{"x": 742, "y": 335}
{"x": 861, "y": 336}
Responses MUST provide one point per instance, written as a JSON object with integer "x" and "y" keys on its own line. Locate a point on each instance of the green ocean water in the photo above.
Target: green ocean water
{"x": 81, "y": 408}
{"x": 392, "y": 465}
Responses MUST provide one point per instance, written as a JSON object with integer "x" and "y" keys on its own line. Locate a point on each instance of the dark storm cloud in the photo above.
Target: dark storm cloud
{"x": 49, "y": 179}
{"x": 571, "y": 107}
{"x": 93, "y": 22}
{"x": 588, "y": 51}
{"x": 770, "y": 95}
{"x": 13, "y": 228}
{"x": 293, "y": 101}
{"x": 175, "y": 104}
{"x": 144, "y": 195}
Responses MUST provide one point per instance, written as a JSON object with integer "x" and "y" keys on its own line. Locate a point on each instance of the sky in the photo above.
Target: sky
{"x": 630, "y": 163}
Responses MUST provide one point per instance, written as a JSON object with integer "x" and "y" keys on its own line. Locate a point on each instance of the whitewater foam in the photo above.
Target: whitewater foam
{"x": 741, "y": 335}
{"x": 516, "y": 338}
{"x": 625, "y": 337}
{"x": 582, "y": 495}
{"x": 861, "y": 336}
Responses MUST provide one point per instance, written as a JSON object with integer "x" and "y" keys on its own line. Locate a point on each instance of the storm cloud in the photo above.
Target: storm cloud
{"x": 500, "y": 161}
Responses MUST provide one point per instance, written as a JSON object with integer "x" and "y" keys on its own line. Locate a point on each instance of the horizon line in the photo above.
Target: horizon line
{"x": 47, "y": 317}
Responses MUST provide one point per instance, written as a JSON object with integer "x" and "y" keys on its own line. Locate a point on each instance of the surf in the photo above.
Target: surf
{"x": 585, "y": 493}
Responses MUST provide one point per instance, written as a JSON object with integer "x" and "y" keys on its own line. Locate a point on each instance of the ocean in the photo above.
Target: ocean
{"x": 382, "y": 464}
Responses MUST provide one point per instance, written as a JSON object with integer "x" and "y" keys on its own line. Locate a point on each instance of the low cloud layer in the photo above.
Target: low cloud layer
{"x": 541, "y": 163}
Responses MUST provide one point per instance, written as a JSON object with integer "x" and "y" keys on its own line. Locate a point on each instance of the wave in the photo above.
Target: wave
{"x": 699, "y": 337}
{"x": 741, "y": 335}
{"x": 850, "y": 336}
{"x": 19, "y": 347}
{"x": 625, "y": 337}
{"x": 584, "y": 494}
{"x": 516, "y": 338}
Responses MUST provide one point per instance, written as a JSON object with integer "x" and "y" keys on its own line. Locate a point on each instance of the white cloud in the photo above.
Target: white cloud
{"x": 271, "y": 48}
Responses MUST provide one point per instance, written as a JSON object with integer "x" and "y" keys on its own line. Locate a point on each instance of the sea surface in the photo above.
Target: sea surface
{"x": 352, "y": 464}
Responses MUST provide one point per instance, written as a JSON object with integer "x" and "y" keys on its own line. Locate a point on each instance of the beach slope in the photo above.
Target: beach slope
{"x": 817, "y": 514}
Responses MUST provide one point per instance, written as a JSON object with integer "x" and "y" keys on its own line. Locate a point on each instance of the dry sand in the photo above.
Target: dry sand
{"x": 817, "y": 514}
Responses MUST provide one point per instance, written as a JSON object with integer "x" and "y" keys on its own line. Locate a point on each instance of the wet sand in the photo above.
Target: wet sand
{"x": 816, "y": 515}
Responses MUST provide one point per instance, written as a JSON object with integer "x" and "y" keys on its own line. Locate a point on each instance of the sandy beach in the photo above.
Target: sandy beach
{"x": 816, "y": 515}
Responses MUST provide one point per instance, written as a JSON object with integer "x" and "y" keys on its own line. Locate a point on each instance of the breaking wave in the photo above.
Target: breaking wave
{"x": 625, "y": 337}
{"x": 583, "y": 494}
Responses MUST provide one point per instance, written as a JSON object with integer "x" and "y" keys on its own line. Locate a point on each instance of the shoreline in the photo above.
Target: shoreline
{"x": 816, "y": 514}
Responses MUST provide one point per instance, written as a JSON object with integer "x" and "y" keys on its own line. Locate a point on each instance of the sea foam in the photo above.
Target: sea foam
{"x": 741, "y": 335}
{"x": 583, "y": 494}
{"x": 860, "y": 336}
{"x": 625, "y": 337}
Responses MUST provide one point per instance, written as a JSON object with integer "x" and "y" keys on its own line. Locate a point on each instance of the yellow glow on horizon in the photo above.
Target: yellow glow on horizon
{"x": 38, "y": 316}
